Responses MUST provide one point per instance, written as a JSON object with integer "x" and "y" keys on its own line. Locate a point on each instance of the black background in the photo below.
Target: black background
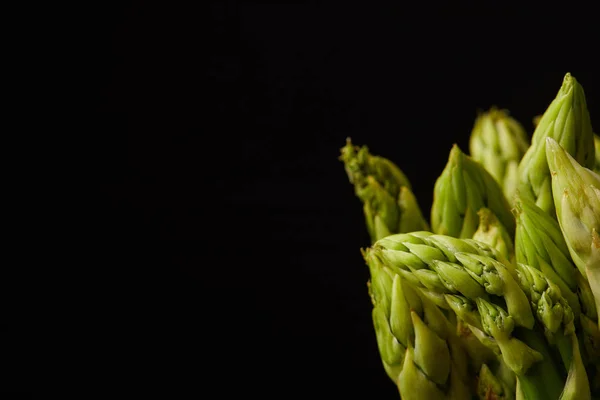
{"x": 219, "y": 128}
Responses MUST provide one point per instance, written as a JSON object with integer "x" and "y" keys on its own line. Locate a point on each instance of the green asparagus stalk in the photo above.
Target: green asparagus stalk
{"x": 464, "y": 188}
{"x": 471, "y": 278}
{"x": 498, "y": 142}
{"x": 389, "y": 205}
{"x": 576, "y": 191}
{"x": 417, "y": 343}
{"x": 540, "y": 244}
{"x": 491, "y": 231}
{"x": 567, "y": 121}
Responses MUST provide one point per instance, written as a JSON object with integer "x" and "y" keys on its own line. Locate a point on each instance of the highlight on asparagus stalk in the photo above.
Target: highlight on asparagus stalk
{"x": 464, "y": 188}
{"x": 498, "y": 142}
{"x": 540, "y": 244}
{"x": 389, "y": 204}
{"x": 576, "y": 191}
{"x": 491, "y": 231}
{"x": 567, "y": 121}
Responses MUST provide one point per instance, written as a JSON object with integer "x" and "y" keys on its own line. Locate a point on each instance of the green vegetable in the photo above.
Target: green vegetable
{"x": 389, "y": 205}
{"x": 577, "y": 199}
{"x": 491, "y": 231}
{"x": 540, "y": 244}
{"x": 568, "y": 122}
{"x": 498, "y": 142}
{"x": 464, "y": 188}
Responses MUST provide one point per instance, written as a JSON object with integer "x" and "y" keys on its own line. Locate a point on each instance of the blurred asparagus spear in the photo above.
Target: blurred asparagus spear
{"x": 498, "y": 142}
{"x": 491, "y": 231}
{"x": 389, "y": 204}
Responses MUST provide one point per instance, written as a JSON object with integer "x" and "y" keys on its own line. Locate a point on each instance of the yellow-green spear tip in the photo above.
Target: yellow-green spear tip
{"x": 462, "y": 189}
{"x": 540, "y": 244}
{"x": 568, "y": 122}
{"x": 359, "y": 164}
{"x": 492, "y": 232}
{"x": 389, "y": 205}
{"x": 576, "y": 191}
{"x": 498, "y": 142}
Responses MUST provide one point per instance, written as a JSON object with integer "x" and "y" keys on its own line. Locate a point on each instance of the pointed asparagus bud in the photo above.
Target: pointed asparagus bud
{"x": 490, "y": 387}
{"x": 497, "y": 323}
{"x": 540, "y": 244}
{"x": 431, "y": 353}
{"x": 492, "y": 232}
{"x": 463, "y": 188}
{"x": 576, "y": 192}
{"x": 465, "y": 309}
{"x": 550, "y": 307}
{"x": 457, "y": 279}
{"x": 413, "y": 384}
{"x": 382, "y": 291}
{"x": 498, "y": 142}
{"x": 391, "y": 351}
{"x": 359, "y": 163}
{"x": 567, "y": 121}
{"x": 389, "y": 205}
{"x": 496, "y": 279}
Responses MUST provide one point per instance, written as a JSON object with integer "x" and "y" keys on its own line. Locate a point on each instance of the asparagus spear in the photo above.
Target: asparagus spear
{"x": 498, "y": 142}
{"x": 482, "y": 280}
{"x": 463, "y": 188}
{"x": 389, "y": 205}
{"x": 539, "y": 243}
{"x": 576, "y": 193}
{"x": 491, "y": 231}
{"x": 417, "y": 343}
{"x": 567, "y": 121}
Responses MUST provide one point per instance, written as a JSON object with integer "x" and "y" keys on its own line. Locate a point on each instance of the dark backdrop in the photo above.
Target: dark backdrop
{"x": 219, "y": 129}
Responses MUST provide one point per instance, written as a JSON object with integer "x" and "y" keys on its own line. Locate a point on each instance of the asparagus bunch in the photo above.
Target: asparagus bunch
{"x": 501, "y": 299}
{"x": 389, "y": 204}
{"x": 498, "y": 299}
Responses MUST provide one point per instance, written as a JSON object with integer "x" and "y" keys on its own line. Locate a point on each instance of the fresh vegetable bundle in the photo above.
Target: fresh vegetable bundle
{"x": 497, "y": 296}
